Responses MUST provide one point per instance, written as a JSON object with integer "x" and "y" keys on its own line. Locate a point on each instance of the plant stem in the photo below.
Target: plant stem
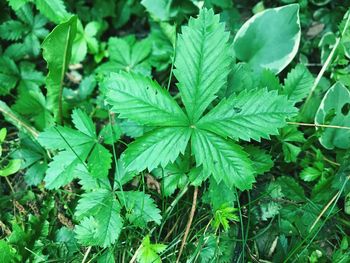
{"x": 189, "y": 222}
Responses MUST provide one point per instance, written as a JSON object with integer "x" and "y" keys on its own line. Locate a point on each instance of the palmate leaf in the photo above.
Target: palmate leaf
{"x": 77, "y": 147}
{"x": 157, "y": 147}
{"x": 142, "y": 100}
{"x": 253, "y": 114}
{"x": 202, "y": 61}
{"x": 12, "y": 30}
{"x": 140, "y": 208}
{"x": 101, "y": 223}
{"x": 57, "y": 48}
{"x": 223, "y": 159}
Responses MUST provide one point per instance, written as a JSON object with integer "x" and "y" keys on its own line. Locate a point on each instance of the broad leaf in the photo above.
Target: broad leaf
{"x": 253, "y": 114}
{"x": 334, "y": 110}
{"x": 270, "y": 39}
{"x": 158, "y": 147}
{"x": 298, "y": 83}
{"x": 202, "y": 62}
{"x": 101, "y": 224}
{"x": 222, "y": 159}
{"x": 142, "y": 100}
{"x": 57, "y": 48}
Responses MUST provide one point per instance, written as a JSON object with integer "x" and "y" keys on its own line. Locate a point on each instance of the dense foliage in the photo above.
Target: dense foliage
{"x": 174, "y": 131}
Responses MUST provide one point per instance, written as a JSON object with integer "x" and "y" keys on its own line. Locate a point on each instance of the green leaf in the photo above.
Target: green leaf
{"x": 298, "y": 83}
{"x": 59, "y": 137}
{"x": 149, "y": 252}
{"x": 262, "y": 161}
{"x": 310, "y": 174}
{"x": 17, "y": 4}
{"x": 11, "y": 168}
{"x": 336, "y": 101}
{"x": 8, "y": 253}
{"x": 202, "y": 62}
{"x": 142, "y": 100}
{"x": 222, "y": 159}
{"x": 12, "y": 30}
{"x": 9, "y": 75}
{"x": 289, "y": 135}
{"x": 54, "y": 10}
{"x": 101, "y": 224}
{"x": 83, "y": 123}
{"x": 127, "y": 54}
{"x": 32, "y": 103}
{"x": 140, "y": 208}
{"x": 99, "y": 161}
{"x": 270, "y": 39}
{"x": 57, "y": 48}
{"x": 291, "y": 189}
{"x": 66, "y": 166}
{"x": 253, "y": 114}
{"x": 158, "y": 147}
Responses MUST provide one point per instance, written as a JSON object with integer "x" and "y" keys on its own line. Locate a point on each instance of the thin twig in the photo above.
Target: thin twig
{"x": 324, "y": 211}
{"x": 86, "y": 254}
{"x": 319, "y": 125}
{"x": 326, "y": 64}
{"x": 189, "y": 222}
{"x": 133, "y": 259}
{"x": 10, "y": 185}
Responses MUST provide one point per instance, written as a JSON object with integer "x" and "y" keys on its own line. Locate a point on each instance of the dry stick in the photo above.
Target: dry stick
{"x": 189, "y": 222}
{"x": 133, "y": 259}
{"x": 86, "y": 254}
{"x": 324, "y": 210}
{"x": 326, "y": 64}
{"x": 319, "y": 125}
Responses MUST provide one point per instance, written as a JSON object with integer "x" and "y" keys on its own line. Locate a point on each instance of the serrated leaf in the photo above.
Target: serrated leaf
{"x": 9, "y": 75}
{"x": 101, "y": 224}
{"x": 57, "y": 48}
{"x": 222, "y": 159}
{"x": 290, "y": 188}
{"x": 140, "y": 208}
{"x": 66, "y": 166}
{"x": 202, "y": 62}
{"x": 262, "y": 161}
{"x": 246, "y": 115}
{"x": 149, "y": 252}
{"x": 298, "y": 83}
{"x": 54, "y": 10}
{"x": 310, "y": 174}
{"x": 99, "y": 161}
{"x": 142, "y": 100}
{"x": 17, "y": 4}
{"x": 12, "y": 30}
{"x": 83, "y": 123}
{"x": 270, "y": 39}
{"x": 59, "y": 137}
{"x": 157, "y": 147}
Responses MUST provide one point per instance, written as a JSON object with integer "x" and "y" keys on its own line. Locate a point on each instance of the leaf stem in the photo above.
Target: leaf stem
{"x": 319, "y": 125}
